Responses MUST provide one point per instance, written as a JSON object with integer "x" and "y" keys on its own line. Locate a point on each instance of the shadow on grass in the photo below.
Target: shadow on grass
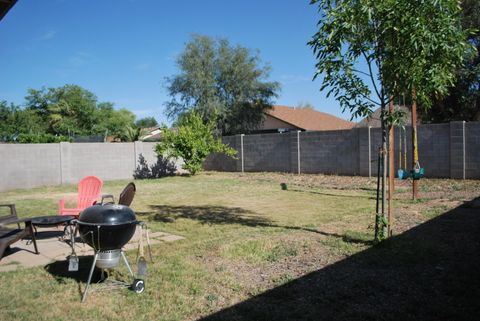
{"x": 207, "y": 215}
{"x": 331, "y": 194}
{"x": 59, "y": 270}
{"x": 430, "y": 272}
{"x": 220, "y": 215}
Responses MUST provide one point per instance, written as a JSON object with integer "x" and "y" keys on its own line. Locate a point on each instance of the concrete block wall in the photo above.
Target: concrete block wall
{"x": 457, "y": 148}
{"x": 445, "y": 150}
{"x": 365, "y": 152}
{"x": 35, "y": 165}
{"x": 472, "y": 150}
{"x": 434, "y": 149}
{"x": 29, "y": 165}
{"x": 295, "y": 153}
{"x": 220, "y": 162}
{"x": 450, "y": 150}
{"x": 147, "y": 150}
{"x": 266, "y": 152}
{"x": 329, "y": 152}
{"x": 107, "y": 161}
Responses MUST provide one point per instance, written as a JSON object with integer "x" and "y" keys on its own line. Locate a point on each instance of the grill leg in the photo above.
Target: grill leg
{"x": 128, "y": 265}
{"x": 102, "y": 275}
{"x": 84, "y": 296}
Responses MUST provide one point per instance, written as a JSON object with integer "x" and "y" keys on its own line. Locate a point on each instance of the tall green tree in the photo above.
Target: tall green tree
{"x": 222, "y": 83}
{"x": 111, "y": 121}
{"x": 67, "y": 109}
{"x": 404, "y": 45}
{"x": 15, "y": 121}
{"x": 132, "y": 134}
{"x": 463, "y": 99}
{"x": 146, "y": 122}
{"x": 73, "y": 110}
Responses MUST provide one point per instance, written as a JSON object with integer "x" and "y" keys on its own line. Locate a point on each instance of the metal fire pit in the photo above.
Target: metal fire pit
{"x": 107, "y": 228}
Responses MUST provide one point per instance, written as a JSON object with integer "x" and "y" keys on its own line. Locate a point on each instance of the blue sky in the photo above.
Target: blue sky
{"x": 122, "y": 50}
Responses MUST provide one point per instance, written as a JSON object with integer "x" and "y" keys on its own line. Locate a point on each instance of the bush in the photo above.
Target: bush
{"x": 193, "y": 141}
{"x": 41, "y": 139}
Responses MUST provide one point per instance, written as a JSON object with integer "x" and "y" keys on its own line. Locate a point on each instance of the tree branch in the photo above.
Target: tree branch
{"x": 361, "y": 72}
{"x": 370, "y": 100}
{"x": 371, "y": 75}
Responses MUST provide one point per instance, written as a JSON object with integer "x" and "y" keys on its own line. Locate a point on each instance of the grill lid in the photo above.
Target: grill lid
{"x": 108, "y": 214}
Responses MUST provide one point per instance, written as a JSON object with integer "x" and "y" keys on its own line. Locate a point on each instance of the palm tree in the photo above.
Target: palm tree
{"x": 132, "y": 134}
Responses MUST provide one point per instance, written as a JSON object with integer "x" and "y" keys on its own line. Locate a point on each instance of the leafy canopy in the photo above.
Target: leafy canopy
{"x": 71, "y": 109}
{"x": 66, "y": 111}
{"x": 146, "y": 122}
{"x": 407, "y": 47}
{"x": 192, "y": 141}
{"x": 404, "y": 45}
{"x": 15, "y": 121}
{"x": 222, "y": 83}
{"x": 463, "y": 99}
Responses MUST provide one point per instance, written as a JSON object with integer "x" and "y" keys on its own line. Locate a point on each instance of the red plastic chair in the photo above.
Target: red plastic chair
{"x": 88, "y": 192}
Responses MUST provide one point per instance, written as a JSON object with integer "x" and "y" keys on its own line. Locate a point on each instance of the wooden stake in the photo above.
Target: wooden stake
{"x": 391, "y": 169}
{"x": 414, "y": 143}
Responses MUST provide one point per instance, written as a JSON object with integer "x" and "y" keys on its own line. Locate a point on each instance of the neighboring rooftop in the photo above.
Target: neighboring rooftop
{"x": 151, "y": 134}
{"x": 308, "y": 119}
{"x": 374, "y": 119}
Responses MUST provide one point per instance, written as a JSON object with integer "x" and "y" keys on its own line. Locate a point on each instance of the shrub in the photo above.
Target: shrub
{"x": 193, "y": 141}
{"x": 41, "y": 139}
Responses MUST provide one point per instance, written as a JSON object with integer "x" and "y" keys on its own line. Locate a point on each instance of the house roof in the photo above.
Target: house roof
{"x": 5, "y": 5}
{"x": 151, "y": 130}
{"x": 309, "y": 119}
{"x": 374, "y": 119}
{"x": 151, "y": 133}
{"x": 153, "y": 138}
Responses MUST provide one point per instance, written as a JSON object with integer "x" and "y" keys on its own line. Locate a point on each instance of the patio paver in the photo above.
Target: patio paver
{"x": 51, "y": 249}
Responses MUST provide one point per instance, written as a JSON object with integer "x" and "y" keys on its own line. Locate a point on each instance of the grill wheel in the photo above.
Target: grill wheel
{"x": 138, "y": 285}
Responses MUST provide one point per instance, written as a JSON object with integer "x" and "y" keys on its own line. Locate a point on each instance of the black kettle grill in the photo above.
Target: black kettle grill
{"x": 107, "y": 228}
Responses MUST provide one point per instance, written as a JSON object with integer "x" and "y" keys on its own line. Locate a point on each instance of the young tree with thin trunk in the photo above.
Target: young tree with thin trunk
{"x": 370, "y": 51}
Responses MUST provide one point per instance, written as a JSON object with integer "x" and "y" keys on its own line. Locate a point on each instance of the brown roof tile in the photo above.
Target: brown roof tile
{"x": 309, "y": 119}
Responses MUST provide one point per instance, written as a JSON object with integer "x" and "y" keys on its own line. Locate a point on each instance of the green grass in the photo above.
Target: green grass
{"x": 260, "y": 251}
{"x": 350, "y": 243}
{"x": 230, "y": 222}
{"x": 435, "y": 211}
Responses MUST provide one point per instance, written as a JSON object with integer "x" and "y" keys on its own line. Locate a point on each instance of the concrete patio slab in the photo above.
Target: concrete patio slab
{"x": 53, "y": 247}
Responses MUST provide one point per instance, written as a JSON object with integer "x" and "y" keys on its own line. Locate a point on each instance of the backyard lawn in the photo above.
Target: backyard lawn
{"x": 253, "y": 251}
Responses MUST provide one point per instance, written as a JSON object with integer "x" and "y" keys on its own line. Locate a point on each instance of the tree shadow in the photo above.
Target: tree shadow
{"x": 211, "y": 215}
{"x": 221, "y": 215}
{"x": 429, "y": 272}
{"x": 331, "y": 194}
